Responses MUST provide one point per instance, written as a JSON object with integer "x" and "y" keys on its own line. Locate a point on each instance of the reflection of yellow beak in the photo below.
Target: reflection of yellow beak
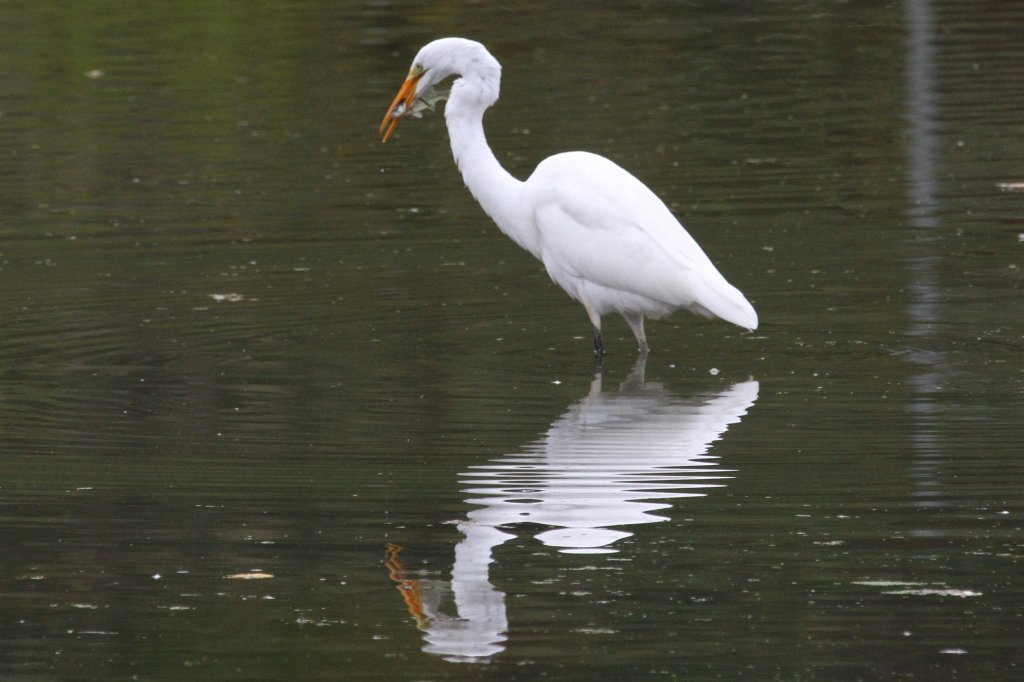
{"x": 406, "y": 95}
{"x": 411, "y": 590}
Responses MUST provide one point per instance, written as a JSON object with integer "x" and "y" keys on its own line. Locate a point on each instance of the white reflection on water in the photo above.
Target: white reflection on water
{"x": 610, "y": 461}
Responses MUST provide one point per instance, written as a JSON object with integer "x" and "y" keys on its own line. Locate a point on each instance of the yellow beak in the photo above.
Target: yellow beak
{"x": 406, "y": 95}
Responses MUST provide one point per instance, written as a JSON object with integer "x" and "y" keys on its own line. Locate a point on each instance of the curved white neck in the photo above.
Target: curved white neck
{"x": 498, "y": 193}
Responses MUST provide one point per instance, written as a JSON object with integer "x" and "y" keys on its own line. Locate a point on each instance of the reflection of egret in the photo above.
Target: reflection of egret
{"x": 603, "y": 236}
{"x": 600, "y": 461}
{"x": 594, "y": 471}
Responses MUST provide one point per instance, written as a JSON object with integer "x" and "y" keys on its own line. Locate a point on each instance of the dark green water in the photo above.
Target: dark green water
{"x": 278, "y": 401}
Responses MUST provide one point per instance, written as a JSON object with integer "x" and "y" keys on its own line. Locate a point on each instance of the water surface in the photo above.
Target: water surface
{"x": 279, "y": 402}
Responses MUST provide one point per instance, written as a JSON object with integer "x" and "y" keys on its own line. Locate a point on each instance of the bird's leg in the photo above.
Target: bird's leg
{"x": 595, "y": 322}
{"x": 636, "y": 323}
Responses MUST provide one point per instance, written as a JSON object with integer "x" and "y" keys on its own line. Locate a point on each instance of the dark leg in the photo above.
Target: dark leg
{"x": 598, "y": 343}
{"x": 595, "y": 322}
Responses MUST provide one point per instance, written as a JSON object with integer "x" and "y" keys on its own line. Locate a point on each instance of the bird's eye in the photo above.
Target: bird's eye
{"x": 416, "y": 70}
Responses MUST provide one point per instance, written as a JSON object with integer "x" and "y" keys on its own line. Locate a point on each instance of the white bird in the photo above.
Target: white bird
{"x": 603, "y": 236}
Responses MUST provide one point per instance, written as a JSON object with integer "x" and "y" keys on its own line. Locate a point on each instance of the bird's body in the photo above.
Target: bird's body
{"x": 603, "y": 236}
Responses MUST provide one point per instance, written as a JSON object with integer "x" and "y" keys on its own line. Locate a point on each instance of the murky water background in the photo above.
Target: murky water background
{"x": 279, "y": 402}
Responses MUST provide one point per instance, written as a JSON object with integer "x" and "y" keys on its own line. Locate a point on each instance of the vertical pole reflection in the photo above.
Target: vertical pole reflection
{"x": 922, "y": 138}
{"x": 924, "y": 309}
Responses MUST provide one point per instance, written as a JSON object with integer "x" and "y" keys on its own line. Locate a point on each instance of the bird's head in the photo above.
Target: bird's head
{"x": 435, "y": 63}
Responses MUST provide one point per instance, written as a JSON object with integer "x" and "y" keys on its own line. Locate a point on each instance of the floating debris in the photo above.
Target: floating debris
{"x": 918, "y": 589}
{"x": 935, "y": 592}
{"x": 230, "y": 298}
{"x": 887, "y": 583}
{"x": 251, "y": 575}
{"x": 1011, "y": 186}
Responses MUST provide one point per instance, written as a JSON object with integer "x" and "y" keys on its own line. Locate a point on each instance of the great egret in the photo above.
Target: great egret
{"x": 603, "y": 236}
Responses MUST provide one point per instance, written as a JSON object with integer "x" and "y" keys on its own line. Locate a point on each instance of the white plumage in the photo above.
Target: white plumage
{"x": 603, "y": 236}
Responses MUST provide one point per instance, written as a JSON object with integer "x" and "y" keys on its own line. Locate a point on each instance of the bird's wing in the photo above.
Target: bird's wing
{"x": 598, "y": 222}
